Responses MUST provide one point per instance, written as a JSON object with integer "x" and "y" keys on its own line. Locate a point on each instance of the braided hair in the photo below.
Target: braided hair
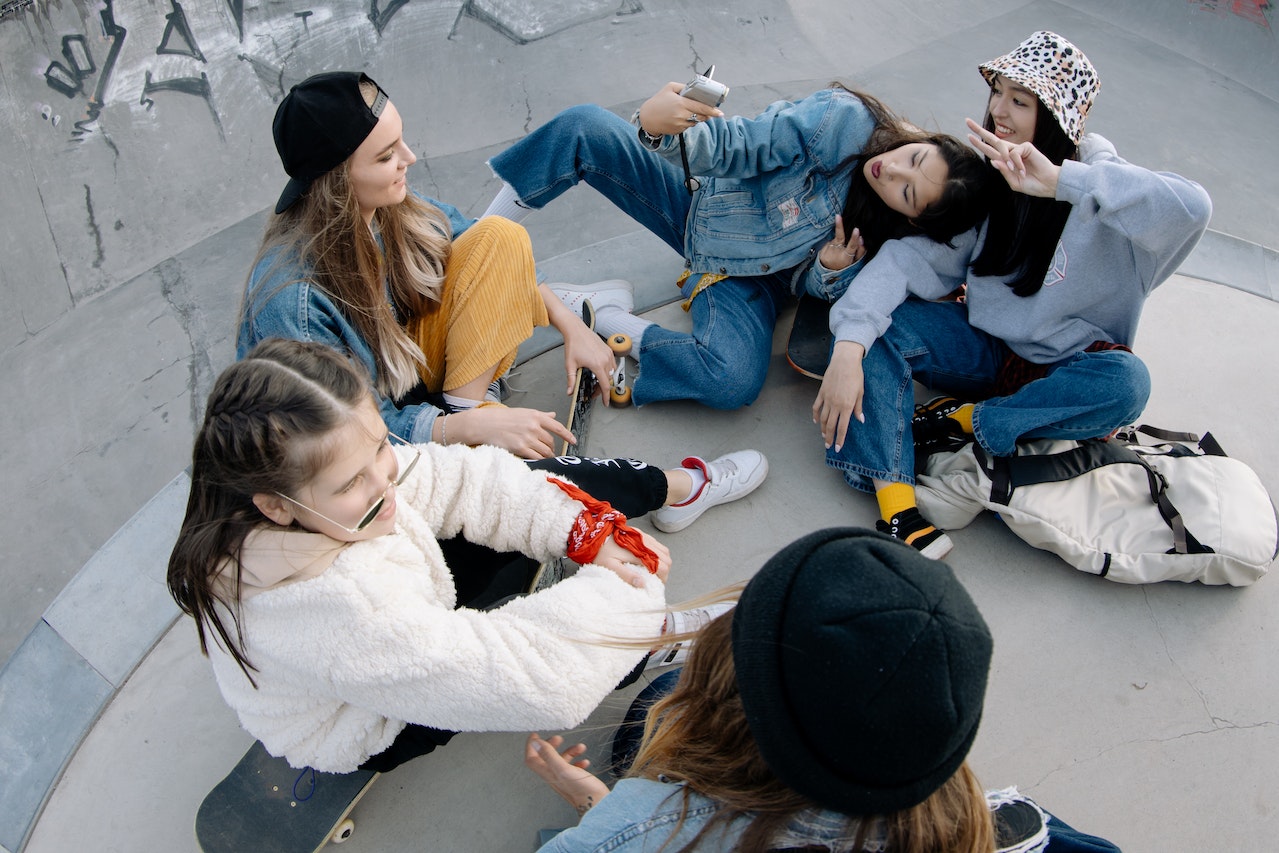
{"x": 263, "y": 432}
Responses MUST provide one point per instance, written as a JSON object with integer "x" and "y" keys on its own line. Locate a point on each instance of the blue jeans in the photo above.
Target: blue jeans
{"x": 1085, "y": 395}
{"x": 722, "y": 364}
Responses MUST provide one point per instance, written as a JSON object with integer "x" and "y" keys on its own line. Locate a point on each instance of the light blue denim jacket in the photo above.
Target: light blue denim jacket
{"x": 770, "y": 190}
{"x": 282, "y": 301}
{"x": 638, "y": 816}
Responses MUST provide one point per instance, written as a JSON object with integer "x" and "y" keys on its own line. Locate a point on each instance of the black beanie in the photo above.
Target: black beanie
{"x": 862, "y": 669}
{"x": 319, "y": 124}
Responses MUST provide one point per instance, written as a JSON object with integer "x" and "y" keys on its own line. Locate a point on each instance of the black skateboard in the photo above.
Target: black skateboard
{"x": 267, "y": 806}
{"x": 808, "y": 349}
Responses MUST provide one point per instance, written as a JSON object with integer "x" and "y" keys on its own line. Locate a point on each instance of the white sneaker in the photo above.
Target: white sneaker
{"x": 614, "y": 293}
{"x": 727, "y": 478}
{"x": 684, "y": 622}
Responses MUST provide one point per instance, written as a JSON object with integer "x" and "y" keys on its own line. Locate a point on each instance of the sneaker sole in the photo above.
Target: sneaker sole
{"x": 938, "y": 548}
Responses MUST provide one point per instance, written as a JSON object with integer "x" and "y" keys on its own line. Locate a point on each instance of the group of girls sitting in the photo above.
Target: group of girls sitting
{"x": 366, "y": 515}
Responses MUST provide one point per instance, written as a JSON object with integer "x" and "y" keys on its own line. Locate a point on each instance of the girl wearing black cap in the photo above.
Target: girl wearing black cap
{"x": 432, "y": 304}
{"x": 428, "y": 300}
{"x": 832, "y": 709}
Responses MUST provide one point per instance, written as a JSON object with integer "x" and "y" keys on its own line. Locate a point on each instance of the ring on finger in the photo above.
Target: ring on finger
{"x": 694, "y": 118}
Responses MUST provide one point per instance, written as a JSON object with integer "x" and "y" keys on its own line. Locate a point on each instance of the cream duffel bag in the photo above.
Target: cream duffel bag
{"x": 1128, "y": 512}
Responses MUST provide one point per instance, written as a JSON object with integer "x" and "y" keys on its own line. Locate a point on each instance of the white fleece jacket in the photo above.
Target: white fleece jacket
{"x": 346, "y": 656}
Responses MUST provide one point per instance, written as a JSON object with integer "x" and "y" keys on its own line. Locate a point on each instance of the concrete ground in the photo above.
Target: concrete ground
{"x": 1143, "y": 714}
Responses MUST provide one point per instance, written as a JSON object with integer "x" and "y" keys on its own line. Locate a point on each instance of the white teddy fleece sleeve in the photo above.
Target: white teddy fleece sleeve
{"x": 490, "y": 497}
{"x": 542, "y": 661}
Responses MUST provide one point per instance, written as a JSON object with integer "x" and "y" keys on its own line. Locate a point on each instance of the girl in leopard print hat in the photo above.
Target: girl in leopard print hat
{"x": 1075, "y": 240}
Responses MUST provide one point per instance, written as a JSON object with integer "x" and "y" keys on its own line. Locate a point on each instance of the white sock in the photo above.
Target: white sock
{"x": 698, "y": 477}
{"x": 460, "y": 404}
{"x": 611, "y": 321}
{"x": 507, "y": 203}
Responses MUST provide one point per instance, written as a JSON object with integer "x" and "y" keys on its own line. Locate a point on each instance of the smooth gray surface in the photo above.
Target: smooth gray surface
{"x": 118, "y": 604}
{"x": 50, "y": 698}
{"x": 125, "y": 254}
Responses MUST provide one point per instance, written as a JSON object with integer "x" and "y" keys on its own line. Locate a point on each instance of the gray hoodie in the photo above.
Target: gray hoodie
{"x": 1129, "y": 229}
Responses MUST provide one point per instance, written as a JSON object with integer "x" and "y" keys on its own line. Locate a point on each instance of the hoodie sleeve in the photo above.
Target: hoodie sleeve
{"x": 910, "y": 266}
{"x": 1161, "y": 214}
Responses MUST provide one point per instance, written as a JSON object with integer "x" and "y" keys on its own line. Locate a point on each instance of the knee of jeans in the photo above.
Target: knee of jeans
{"x": 1130, "y": 383}
{"x": 732, "y": 389}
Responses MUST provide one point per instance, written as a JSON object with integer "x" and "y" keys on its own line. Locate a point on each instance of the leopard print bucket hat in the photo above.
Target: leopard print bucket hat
{"x": 1057, "y": 72}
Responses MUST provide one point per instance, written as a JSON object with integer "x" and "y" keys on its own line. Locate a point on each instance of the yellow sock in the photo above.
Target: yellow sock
{"x": 894, "y": 499}
{"x": 964, "y": 417}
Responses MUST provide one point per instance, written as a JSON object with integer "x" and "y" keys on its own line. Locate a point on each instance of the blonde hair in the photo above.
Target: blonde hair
{"x": 698, "y": 734}
{"x": 325, "y": 232}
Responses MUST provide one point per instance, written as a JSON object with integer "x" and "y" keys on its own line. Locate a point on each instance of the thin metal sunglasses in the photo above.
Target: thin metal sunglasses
{"x": 376, "y": 508}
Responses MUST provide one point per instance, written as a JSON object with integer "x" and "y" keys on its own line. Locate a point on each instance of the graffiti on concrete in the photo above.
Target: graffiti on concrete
{"x": 380, "y": 17}
{"x": 184, "y": 48}
{"x": 523, "y": 21}
{"x": 1255, "y": 11}
{"x": 181, "y": 30}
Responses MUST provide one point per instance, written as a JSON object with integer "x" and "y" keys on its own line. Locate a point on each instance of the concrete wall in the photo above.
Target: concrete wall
{"x": 137, "y": 162}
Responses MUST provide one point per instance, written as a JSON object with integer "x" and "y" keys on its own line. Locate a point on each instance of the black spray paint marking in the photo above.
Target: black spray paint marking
{"x": 68, "y": 80}
{"x": 115, "y": 32}
{"x": 178, "y": 26}
{"x": 381, "y": 18}
{"x": 198, "y": 86}
{"x": 237, "y": 13}
{"x": 94, "y": 230}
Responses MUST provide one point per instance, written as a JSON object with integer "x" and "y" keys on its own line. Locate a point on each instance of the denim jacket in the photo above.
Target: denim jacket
{"x": 639, "y": 816}
{"x": 771, "y": 186}
{"x": 282, "y": 301}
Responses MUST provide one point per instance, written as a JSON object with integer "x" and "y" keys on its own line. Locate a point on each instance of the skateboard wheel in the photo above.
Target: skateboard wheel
{"x": 619, "y": 343}
{"x": 620, "y": 396}
{"x": 344, "y": 830}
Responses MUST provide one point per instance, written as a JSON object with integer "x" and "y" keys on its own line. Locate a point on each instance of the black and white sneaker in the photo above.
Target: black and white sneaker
{"x": 915, "y": 530}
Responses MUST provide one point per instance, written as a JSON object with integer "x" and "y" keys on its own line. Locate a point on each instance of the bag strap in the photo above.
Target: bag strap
{"x": 1206, "y": 443}
{"x": 1008, "y": 473}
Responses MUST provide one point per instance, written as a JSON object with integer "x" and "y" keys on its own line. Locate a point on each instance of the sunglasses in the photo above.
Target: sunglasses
{"x": 368, "y": 517}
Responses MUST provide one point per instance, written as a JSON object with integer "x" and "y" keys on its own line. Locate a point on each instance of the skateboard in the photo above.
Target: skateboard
{"x": 808, "y": 349}
{"x": 584, "y": 387}
{"x": 265, "y": 805}
{"x": 579, "y": 413}
{"x": 619, "y": 391}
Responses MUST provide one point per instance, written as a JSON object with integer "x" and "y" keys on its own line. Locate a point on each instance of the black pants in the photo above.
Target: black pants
{"x": 484, "y": 577}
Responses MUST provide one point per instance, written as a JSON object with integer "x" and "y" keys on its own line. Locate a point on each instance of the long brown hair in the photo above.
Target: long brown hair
{"x": 698, "y": 735}
{"x": 263, "y": 432}
{"x": 963, "y": 202}
{"x": 325, "y": 233}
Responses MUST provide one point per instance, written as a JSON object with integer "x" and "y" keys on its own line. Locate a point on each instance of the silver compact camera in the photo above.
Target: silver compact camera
{"x": 702, "y": 88}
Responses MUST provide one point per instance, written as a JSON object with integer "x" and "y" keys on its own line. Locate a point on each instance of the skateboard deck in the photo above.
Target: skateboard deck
{"x": 808, "y": 349}
{"x": 267, "y": 806}
{"x": 579, "y": 412}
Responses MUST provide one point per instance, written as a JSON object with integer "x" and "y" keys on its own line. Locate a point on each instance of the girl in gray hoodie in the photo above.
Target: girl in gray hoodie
{"x": 1039, "y": 347}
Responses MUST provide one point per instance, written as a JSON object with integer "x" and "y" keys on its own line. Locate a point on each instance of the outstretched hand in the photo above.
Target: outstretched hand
{"x": 1025, "y": 168}
{"x": 564, "y": 771}
{"x": 668, "y": 113}
{"x": 840, "y": 397}
{"x": 528, "y": 433}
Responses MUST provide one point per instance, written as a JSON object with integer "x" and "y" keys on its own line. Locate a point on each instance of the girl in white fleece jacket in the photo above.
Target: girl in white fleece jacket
{"x": 309, "y": 555}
